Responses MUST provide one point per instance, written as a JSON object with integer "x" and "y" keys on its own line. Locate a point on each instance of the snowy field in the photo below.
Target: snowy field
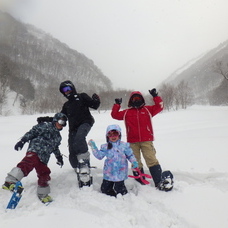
{"x": 191, "y": 143}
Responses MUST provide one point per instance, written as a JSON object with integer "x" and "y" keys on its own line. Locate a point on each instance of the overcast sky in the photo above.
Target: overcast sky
{"x": 135, "y": 43}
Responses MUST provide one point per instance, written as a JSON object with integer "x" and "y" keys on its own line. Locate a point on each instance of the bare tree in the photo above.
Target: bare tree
{"x": 221, "y": 68}
{"x": 4, "y": 75}
{"x": 176, "y": 97}
{"x": 167, "y": 92}
{"x": 108, "y": 98}
{"x": 183, "y": 95}
{"x": 219, "y": 95}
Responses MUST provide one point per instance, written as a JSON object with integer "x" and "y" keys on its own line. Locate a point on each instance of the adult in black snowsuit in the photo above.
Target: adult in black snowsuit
{"x": 80, "y": 122}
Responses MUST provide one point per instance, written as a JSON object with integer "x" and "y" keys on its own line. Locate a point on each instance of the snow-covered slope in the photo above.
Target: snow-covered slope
{"x": 191, "y": 143}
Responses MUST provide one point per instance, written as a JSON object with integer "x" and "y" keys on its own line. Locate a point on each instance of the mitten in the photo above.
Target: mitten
{"x": 95, "y": 97}
{"x": 60, "y": 160}
{"x": 153, "y": 92}
{"x": 135, "y": 165}
{"x": 92, "y": 144}
{"x": 118, "y": 100}
{"x": 19, "y": 145}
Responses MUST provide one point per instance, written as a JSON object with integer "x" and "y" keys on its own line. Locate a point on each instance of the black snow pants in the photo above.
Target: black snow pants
{"x": 113, "y": 188}
{"x": 77, "y": 143}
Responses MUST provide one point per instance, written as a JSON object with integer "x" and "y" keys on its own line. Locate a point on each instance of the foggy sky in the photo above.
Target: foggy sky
{"x": 135, "y": 43}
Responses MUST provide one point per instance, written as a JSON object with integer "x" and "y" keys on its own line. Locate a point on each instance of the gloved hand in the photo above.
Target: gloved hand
{"x": 153, "y": 92}
{"x": 135, "y": 165}
{"x": 92, "y": 144}
{"x": 95, "y": 97}
{"x": 19, "y": 145}
{"x": 118, "y": 100}
{"x": 60, "y": 160}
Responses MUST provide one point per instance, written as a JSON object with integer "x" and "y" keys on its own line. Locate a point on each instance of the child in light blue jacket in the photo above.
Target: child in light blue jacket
{"x": 117, "y": 154}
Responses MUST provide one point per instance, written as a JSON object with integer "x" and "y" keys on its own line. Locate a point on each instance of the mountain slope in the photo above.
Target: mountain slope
{"x": 204, "y": 74}
{"x": 32, "y": 58}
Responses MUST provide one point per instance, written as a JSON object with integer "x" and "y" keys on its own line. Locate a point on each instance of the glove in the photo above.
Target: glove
{"x": 92, "y": 144}
{"x": 19, "y": 145}
{"x": 135, "y": 165}
{"x": 95, "y": 97}
{"x": 153, "y": 92}
{"x": 44, "y": 119}
{"x": 60, "y": 160}
{"x": 118, "y": 100}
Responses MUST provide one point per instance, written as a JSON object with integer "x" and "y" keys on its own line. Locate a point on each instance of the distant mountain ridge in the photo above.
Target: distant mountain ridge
{"x": 203, "y": 74}
{"x": 33, "y": 58}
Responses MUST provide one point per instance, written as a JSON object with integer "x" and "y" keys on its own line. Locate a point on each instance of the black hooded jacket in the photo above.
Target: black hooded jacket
{"x": 77, "y": 107}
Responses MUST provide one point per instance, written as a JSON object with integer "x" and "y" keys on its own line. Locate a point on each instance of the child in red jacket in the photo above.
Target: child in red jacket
{"x": 140, "y": 134}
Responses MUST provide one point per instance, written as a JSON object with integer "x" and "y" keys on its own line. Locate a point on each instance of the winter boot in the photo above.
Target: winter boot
{"x": 166, "y": 183}
{"x": 42, "y": 193}
{"x": 84, "y": 173}
{"x": 8, "y": 186}
{"x": 12, "y": 177}
{"x": 45, "y": 198}
{"x": 156, "y": 174}
{"x": 135, "y": 173}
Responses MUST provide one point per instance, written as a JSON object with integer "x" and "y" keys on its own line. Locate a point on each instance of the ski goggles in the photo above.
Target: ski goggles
{"x": 65, "y": 89}
{"x": 62, "y": 122}
{"x": 113, "y": 133}
{"x": 136, "y": 98}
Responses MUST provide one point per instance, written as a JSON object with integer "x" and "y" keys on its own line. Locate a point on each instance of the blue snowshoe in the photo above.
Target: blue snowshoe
{"x": 16, "y": 196}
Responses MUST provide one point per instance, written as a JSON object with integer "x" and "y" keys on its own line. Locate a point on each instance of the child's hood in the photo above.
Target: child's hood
{"x": 113, "y": 127}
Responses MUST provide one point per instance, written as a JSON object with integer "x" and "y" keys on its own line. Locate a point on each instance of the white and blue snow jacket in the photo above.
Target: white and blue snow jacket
{"x": 116, "y": 162}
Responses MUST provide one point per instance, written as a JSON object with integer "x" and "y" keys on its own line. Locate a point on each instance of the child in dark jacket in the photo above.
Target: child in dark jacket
{"x": 117, "y": 154}
{"x": 44, "y": 139}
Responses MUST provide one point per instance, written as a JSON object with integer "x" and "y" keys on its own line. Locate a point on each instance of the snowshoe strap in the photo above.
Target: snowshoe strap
{"x": 140, "y": 176}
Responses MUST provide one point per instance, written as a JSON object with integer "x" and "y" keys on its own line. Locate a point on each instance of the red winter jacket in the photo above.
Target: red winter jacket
{"x": 138, "y": 120}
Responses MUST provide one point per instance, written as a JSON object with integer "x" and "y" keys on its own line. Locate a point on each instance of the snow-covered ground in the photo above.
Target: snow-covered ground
{"x": 191, "y": 143}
